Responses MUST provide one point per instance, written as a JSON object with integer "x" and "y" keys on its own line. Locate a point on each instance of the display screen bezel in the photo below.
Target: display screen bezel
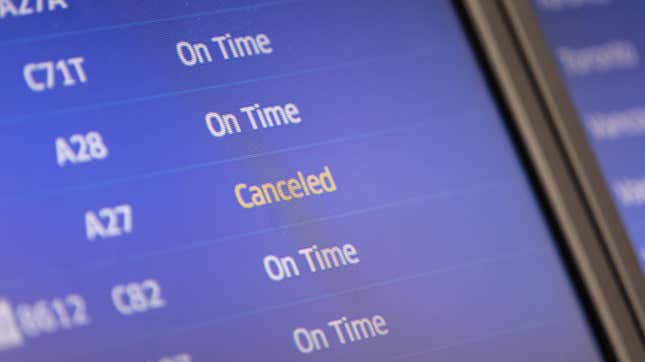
{"x": 567, "y": 125}
{"x": 492, "y": 32}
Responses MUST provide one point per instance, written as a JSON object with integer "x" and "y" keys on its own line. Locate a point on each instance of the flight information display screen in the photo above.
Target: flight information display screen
{"x": 190, "y": 181}
{"x": 599, "y": 45}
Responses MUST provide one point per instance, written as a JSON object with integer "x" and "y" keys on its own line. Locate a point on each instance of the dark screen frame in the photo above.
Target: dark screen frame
{"x": 581, "y": 244}
{"x": 567, "y": 124}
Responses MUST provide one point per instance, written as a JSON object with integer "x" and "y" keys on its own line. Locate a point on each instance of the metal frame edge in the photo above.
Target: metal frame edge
{"x": 580, "y": 153}
{"x": 554, "y": 176}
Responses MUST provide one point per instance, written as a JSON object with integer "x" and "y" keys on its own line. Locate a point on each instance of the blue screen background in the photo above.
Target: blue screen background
{"x": 454, "y": 250}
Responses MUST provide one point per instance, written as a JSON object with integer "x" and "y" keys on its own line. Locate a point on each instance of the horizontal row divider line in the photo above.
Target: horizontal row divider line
{"x": 308, "y": 300}
{"x": 481, "y": 187}
{"x": 62, "y": 34}
{"x": 195, "y": 166}
{"x": 133, "y": 100}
